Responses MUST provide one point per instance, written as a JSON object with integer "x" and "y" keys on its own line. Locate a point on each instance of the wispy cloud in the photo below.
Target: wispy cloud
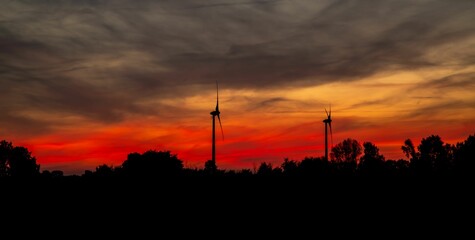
{"x": 459, "y": 80}
{"x": 456, "y": 108}
{"x": 232, "y": 3}
{"x": 108, "y": 61}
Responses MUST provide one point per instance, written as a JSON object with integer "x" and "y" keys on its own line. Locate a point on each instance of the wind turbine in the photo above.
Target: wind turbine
{"x": 328, "y": 122}
{"x": 214, "y": 114}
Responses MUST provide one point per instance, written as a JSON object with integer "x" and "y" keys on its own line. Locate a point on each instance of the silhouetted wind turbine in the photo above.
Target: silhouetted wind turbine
{"x": 328, "y": 122}
{"x": 214, "y": 114}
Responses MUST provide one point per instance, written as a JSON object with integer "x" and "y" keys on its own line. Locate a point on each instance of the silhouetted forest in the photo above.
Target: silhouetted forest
{"x": 356, "y": 185}
{"x": 349, "y": 158}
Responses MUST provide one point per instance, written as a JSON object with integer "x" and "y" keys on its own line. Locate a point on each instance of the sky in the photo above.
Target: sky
{"x": 85, "y": 82}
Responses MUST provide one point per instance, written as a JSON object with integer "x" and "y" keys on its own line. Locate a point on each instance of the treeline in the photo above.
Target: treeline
{"x": 431, "y": 157}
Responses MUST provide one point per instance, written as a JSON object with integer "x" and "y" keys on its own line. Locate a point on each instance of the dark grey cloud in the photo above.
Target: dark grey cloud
{"x": 233, "y": 3}
{"x": 443, "y": 98}
{"x": 371, "y": 103}
{"x": 269, "y": 105}
{"x": 459, "y": 80}
{"x": 103, "y": 60}
{"x": 456, "y": 108}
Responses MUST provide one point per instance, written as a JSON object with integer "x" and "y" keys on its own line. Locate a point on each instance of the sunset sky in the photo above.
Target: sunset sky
{"x": 86, "y": 82}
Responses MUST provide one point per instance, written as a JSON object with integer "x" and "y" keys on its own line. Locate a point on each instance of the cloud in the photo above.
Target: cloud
{"x": 425, "y": 97}
{"x": 459, "y": 80}
{"x": 445, "y": 97}
{"x": 232, "y": 3}
{"x": 371, "y": 103}
{"x": 105, "y": 60}
{"x": 454, "y": 110}
{"x": 22, "y": 126}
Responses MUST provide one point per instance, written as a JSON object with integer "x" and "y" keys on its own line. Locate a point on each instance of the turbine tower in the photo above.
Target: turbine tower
{"x": 214, "y": 114}
{"x": 328, "y": 123}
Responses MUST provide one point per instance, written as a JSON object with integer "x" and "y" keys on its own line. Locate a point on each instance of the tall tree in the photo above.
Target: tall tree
{"x": 409, "y": 150}
{"x": 433, "y": 156}
{"x": 289, "y": 167}
{"x": 464, "y": 157}
{"x": 345, "y": 157}
{"x": 6, "y": 149}
{"x": 152, "y": 163}
{"x": 265, "y": 169}
{"x": 17, "y": 161}
{"x": 371, "y": 163}
{"x": 346, "y": 151}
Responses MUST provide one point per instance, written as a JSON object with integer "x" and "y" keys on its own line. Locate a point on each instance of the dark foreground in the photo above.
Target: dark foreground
{"x": 241, "y": 207}
{"x": 217, "y": 190}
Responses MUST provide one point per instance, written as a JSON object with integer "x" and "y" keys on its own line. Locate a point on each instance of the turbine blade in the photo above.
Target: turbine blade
{"x": 330, "y": 115}
{"x": 217, "y": 97}
{"x": 331, "y": 133}
{"x": 326, "y": 111}
{"x": 219, "y": 120}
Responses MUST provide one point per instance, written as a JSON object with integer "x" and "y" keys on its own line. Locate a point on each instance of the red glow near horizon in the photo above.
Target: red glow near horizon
{"x": 78, "y": 95}
{"x": 241, "y": 149}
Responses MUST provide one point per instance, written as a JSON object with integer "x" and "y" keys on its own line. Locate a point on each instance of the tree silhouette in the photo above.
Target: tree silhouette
{"x": 52, "y": 174}
{"x": 57, "y": 173}
{"x": 6, "y": 149}
{"x": 464, "y": 157}
{"x": 277, "y": 171}
{"x": 210, "y": 167}
{"x": 152, "y": 163}
{"x": 371, "y": 163}
{"x": 289, "y": 167}
{"x": 104, "y": 170}
{"x": 245, "y": 172}
{"x": 17, "y": 161}
{"x": 265, "y": 169}
{"x": 439, "y": 155}
{"x": 347, "y": 151}
{"x": 397, "y": 168}
{"x": 345, "y": 156}
{"x": 409, "y": 150}
{"x": 313, "y": 167}
{"x": 432, "y": 157}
